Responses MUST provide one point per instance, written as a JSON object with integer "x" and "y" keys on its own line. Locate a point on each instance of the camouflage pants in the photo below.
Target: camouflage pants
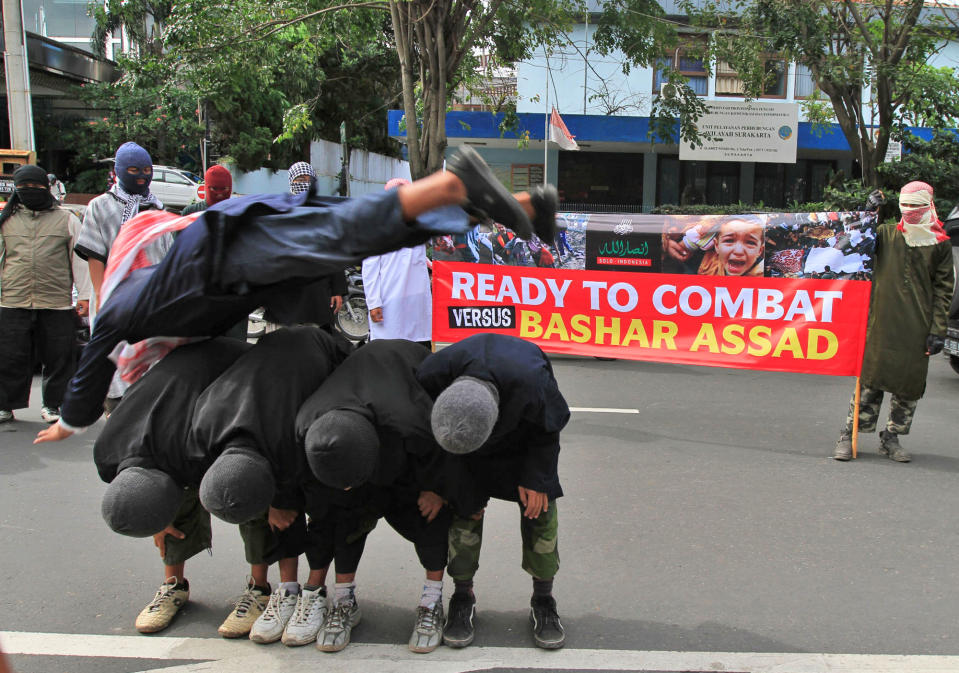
{"x": 901, "y": 412}
{"x": 540, "y": 548}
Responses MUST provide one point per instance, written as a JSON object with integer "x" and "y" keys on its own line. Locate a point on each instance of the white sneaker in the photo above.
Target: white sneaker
{"x": 307, "y": 618}
{"x": 49, "y": 414}
{"x": 6, "y": 416}
{"x": 268, "y": 628}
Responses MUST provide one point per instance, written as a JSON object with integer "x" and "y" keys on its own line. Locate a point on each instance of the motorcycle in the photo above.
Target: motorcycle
{"x": 353, "y": 318}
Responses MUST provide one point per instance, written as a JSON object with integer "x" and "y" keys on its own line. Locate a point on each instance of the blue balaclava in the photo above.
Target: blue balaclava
{"x": 131, "y": 154}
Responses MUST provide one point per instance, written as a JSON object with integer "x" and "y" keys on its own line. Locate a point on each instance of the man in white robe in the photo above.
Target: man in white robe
{"x": 397, "y": 287}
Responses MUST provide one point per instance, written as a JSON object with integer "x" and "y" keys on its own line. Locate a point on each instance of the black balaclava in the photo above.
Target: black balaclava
{"x": 34, "y": 198}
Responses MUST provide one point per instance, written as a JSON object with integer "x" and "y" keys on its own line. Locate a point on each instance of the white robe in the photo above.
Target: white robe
{"x": 399, "y": 283}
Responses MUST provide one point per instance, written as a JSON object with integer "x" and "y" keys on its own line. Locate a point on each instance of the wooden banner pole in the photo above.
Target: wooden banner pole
{"x": 855, "y": 418}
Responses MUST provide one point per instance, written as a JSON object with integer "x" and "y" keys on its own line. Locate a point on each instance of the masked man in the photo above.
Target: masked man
{"x": 38, "y": 272}
{"x": 912, "y": 287}
{"x": 217, "y": 185}
{"x": 106, "y": 213}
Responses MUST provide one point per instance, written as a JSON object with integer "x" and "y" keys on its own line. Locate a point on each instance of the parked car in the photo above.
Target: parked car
{"x": 175, "y": 187}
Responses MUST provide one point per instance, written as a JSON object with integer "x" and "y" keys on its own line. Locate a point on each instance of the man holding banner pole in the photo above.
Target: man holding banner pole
{"x": 912, "y": 287}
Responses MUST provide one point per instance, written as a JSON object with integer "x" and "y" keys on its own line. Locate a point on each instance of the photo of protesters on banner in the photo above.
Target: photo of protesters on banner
{"x": 827, "y": 245}
{"x": 492, "y": 243}
{"x": 715, "y": 245}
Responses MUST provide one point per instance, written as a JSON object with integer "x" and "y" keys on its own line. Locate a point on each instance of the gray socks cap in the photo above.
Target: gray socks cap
{"x": 464, "y": 414}
{"x": 140, "y": 502}
{"x": 238, "y": 486}
{"x": 342, "y": 448}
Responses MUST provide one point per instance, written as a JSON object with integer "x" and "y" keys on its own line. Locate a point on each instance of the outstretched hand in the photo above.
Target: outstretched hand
{"x": 54, "y": 433}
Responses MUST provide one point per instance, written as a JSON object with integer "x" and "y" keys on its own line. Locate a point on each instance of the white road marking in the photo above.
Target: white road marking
{"x": 215, "y": 655}
{"x": 605, "y": 410}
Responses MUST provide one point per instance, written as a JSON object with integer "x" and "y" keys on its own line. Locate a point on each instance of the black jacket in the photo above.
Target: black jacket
{"x": 151, "y": 426}
{"x": 253, "y": 403}
{"x": 379, "y": 382}
{"x": 523, "y": 448}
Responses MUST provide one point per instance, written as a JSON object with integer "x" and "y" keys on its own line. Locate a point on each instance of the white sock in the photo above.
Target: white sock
{"x": 344, "y": 592}
{"x": 292, "y": 588}
{"x": 432, "y": 593}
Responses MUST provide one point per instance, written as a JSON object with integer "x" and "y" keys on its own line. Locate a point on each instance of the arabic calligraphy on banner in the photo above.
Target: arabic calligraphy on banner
{"x": 775, "y": 292}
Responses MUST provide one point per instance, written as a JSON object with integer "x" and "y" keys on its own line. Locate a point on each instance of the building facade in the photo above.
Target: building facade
{"x": 618, "y": 167}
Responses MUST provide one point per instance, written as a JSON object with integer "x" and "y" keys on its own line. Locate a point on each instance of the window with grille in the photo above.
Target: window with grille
{"x": 805, "y": 85}
{"x": 729, "y": 83}
{"x": 688, "y": 63}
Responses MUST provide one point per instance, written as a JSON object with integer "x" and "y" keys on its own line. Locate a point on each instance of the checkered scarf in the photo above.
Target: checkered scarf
{"x": 133, "y": 202}
{"x": 128, "y": 254}
{"x": 298, "y": 169}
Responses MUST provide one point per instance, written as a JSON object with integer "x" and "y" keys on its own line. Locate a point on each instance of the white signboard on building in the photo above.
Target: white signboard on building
{"x": 740, "y": 131}
{"x": 893, "y": 149}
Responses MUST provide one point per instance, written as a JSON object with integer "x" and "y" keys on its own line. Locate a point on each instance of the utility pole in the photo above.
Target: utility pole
{"x": 19, "y": 108}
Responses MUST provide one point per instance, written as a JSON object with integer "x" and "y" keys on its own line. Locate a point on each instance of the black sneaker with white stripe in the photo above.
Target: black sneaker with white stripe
{"x": 458, "y": 631}
{"x": 548, "y": 631}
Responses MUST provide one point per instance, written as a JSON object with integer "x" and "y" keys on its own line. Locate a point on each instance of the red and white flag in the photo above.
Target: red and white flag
{"x": 559, "y": 134}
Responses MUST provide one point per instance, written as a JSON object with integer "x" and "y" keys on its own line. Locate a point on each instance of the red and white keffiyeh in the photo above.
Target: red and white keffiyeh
{"x": 126, "y": 255}
{"x": 920, "y": 223}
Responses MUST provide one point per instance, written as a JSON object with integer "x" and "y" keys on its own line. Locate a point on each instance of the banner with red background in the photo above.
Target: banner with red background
{"x": 776, "y": 291}
{"x": 811, "y": 326}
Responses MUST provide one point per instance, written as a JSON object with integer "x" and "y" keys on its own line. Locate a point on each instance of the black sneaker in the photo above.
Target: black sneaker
{"x": 545, "y": 200}
{"x": 548, "y": 631}
{"x": 487, "y": 194}
{"x": 458, "y": 631}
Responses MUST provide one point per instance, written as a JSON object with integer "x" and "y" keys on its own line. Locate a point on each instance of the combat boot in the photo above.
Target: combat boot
{"x": 890, "y": 447}
{"x": 843, "y": 450}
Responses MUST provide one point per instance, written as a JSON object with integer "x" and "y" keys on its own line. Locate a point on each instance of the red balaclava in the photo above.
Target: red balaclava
{"x": 219, "y": 184}
{"x": 920, "y": 223}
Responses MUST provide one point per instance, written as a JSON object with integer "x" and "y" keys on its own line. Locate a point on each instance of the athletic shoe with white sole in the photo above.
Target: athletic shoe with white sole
{"x": 245, "y": 613}
{"x": 49, "y": 414}
{"x": 428, "y": 632}
{"x": 307, "y": 618}
{"x": 6, "y": 416}
{"x": 334, "y": 635}
{"x": 269, "y": 626}
{"x": 163, "y": 608}
{"x": 548, "y": 631}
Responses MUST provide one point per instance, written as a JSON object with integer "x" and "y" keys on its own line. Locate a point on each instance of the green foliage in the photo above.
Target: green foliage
{"x": 935, "y": 161}
{"x": 142, "y": 106}
{"x": 869, "y": 60}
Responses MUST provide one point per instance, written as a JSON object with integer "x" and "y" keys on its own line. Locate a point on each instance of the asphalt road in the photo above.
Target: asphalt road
{"x": 709, "y": 531}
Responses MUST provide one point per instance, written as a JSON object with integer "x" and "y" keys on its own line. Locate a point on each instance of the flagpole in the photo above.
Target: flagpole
{"x": 546, "y": 126}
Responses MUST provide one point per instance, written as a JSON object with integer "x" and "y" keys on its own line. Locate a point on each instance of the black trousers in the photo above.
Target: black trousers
{"x": 47, "y": 334}
{"x": 340, "y": 532}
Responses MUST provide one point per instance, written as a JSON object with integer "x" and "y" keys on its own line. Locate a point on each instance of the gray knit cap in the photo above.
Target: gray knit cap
{"x": 140, "y": 502}
{"x": 464, "y": 414}
{"x": 238, "y": 486}
{"x": 342, "y": 448}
